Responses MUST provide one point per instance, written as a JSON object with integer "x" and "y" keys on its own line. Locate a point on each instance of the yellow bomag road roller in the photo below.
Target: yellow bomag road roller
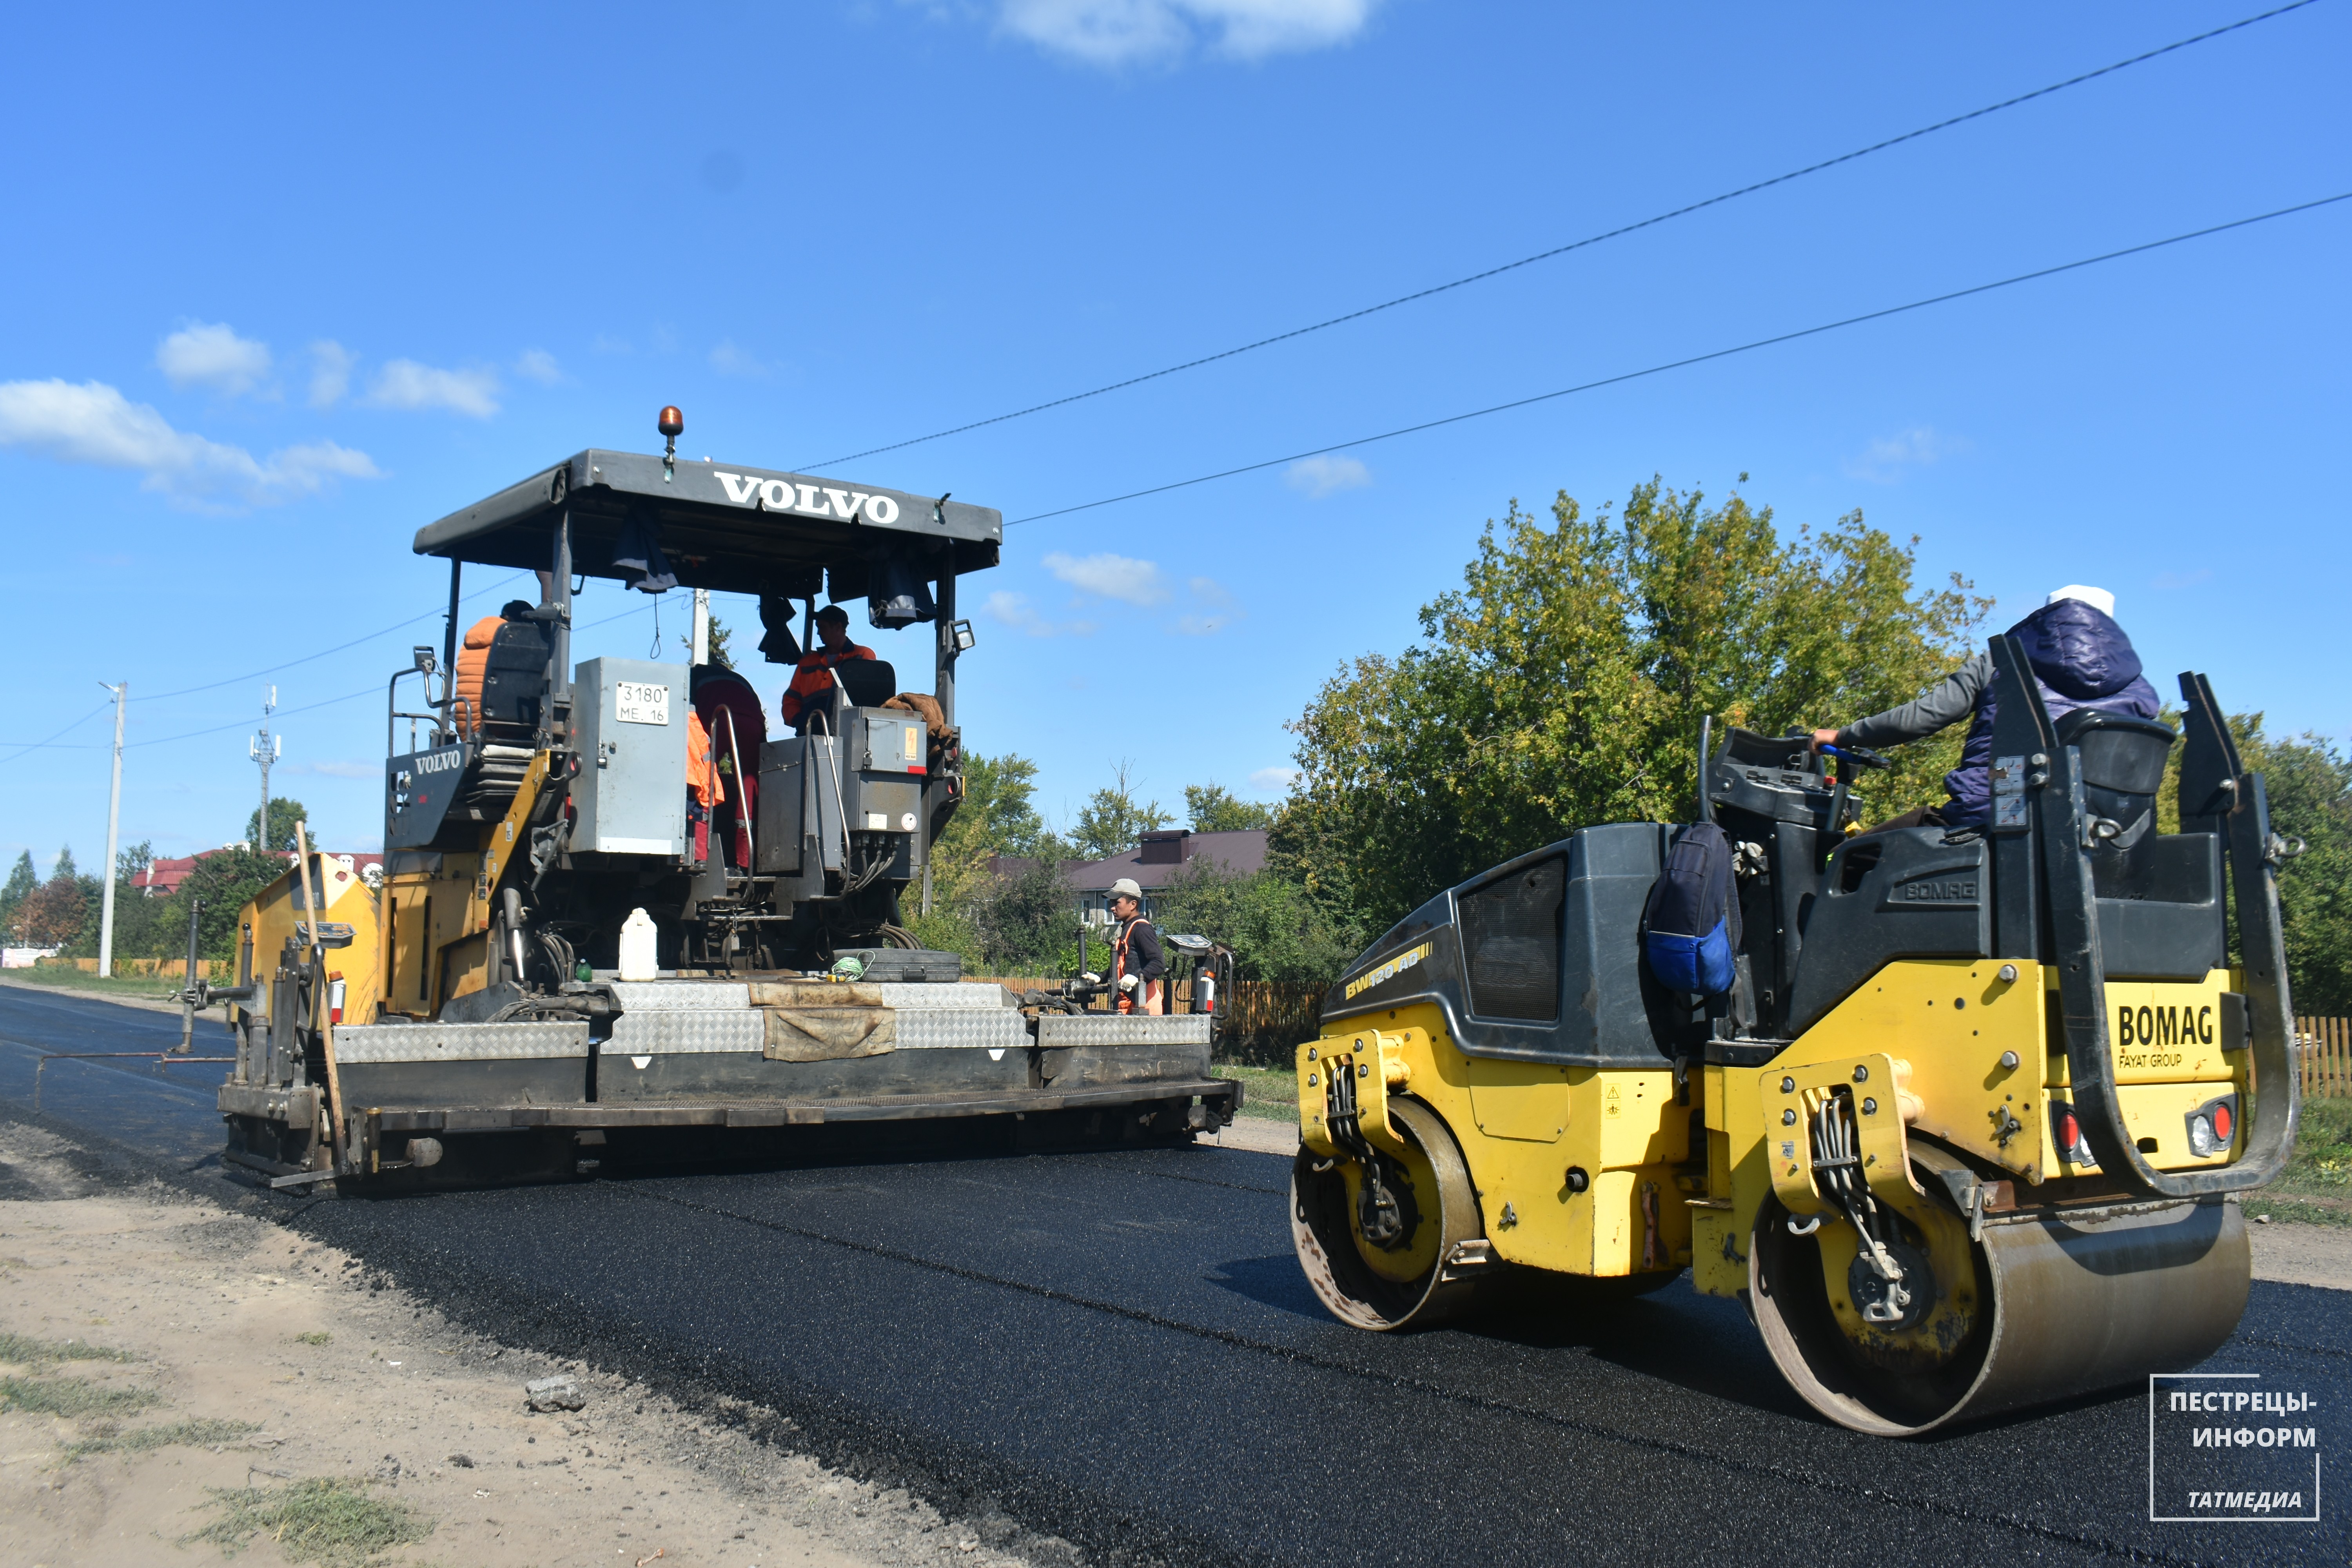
{"x": 1961, "y": 1132}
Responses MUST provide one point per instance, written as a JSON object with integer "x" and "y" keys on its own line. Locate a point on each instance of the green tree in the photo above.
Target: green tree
{"x": 1113, "y": 819}
{"x": 22, "y": 882}
{"x": 720, "y": 656}
{"x": 283, "y": 815}
{"x": 1563, "y": 684}
{"x": 1213, "y": 808}
{"x": 2309, "y": 783}
{"x": 998, "y": 817}
{"x": 999, "y": 812}
{"x": 1275, "y": 931}
{"x": 132, "y": 864}
{"x": 226, "y": 880}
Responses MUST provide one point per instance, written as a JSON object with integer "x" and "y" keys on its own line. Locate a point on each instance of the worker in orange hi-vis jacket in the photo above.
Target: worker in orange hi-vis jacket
{"x": 704, "y": 788}
{"x": 474, "y": 659}
{"x": 815, "y": 675}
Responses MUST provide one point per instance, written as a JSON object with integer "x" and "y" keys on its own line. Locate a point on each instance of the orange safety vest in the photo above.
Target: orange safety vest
{"x": 813, "y": 676}
{"x": 702, "y": 775}
{"x": 1152, "y": 996}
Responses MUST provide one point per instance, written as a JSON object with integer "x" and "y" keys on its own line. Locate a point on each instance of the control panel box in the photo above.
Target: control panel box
{"x": 628, "y": 730}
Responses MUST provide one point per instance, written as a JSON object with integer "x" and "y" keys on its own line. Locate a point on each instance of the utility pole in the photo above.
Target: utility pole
{"x": 265, "y": 748}
{"x": 702, "y": 626}
{"x": 113, "y": 828}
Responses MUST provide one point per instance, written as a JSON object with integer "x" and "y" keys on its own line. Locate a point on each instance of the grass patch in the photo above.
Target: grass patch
{"x": 22, "y": 1350}
{"x": 2297, "y": 1211}
{"x": 1270, "y": 1094}
{"x": 316, "y": 1337}
{"x": 72, "y": 1397}
{"x": 133, "y": 987}
{"x": 2322, "y": 1166}
{"x": 322, "y": 1520}
{"x": 203, "y": 1432}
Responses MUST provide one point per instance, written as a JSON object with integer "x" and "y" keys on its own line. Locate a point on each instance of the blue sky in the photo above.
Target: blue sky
{"x": 289, "y": 283}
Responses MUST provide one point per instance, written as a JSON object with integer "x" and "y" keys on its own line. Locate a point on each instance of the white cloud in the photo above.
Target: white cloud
{"x": 1119, "y": 32}
{"x": 538, "y": 365}
{"x": 1016, "y": 611}
{"x": 215, "y": 356}
{"x": 730, "y": 358}
{"x": 92, "y": 423}
{"x": 1219, "y": 611}
{"x": 1318, "y": 477}
{"x": 1884, "y": 459}
{"x": 330, "y": 373}
{"x": 339, "y": 770}
{"x": 1273, "y": 781}
{"x": 405, "y": 383}
{"x": 1110, "y": 576}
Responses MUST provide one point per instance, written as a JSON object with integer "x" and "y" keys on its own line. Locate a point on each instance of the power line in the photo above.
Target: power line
{"x": 1697, "y": 359}
{"x": 74, "y": 725}
{"x": 340, "y": 648}
{"x": 1574, "y": 245}
{"x": 306, "y": 708}
{"x": 282, "y": 712}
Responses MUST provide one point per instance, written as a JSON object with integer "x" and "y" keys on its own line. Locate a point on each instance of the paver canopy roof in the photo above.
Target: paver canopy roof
{"x": 724, "y": 526}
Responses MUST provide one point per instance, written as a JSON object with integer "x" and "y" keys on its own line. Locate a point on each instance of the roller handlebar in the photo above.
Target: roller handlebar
{"x": 1854, "y": 753}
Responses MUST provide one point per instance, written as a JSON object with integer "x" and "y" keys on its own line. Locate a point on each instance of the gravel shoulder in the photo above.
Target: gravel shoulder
{"x": 166, "y": 1347}
{"x": 1256, "y": 1134}
{"x": 2303, "y": 1254}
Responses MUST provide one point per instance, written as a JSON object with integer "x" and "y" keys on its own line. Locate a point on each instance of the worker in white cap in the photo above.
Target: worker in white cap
{"x": 1137, "y": 968}
{"x": 2080, "y": 659}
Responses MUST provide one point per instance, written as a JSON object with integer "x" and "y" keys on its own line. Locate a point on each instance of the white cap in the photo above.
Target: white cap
{"x": 2098, "y": 599}
{"x": 1124, "y": 887}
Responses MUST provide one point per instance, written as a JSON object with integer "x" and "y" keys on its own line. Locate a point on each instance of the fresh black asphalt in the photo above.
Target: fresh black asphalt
{"x": 1119, "y": 1349}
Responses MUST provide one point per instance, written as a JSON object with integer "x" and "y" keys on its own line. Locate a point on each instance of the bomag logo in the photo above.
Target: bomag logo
{"x": 1952, "y": 890}
{"x": 1389, "y": 971}
{"x": 2164, "y": 1026}
{"x": 816, "y": 501}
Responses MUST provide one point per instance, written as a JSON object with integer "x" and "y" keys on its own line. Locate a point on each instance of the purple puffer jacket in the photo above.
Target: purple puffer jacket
{"x": 2081, "y": 658}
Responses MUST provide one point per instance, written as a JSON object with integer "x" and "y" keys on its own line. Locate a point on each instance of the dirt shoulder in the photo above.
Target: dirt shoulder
{"x": 157, "y": 1350}
{"x": 2296, "y": 1254}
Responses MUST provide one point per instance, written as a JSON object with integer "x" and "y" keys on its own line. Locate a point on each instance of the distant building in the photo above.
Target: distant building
{"x": 1161, "y": 859}
{"x": 162, "y": 878}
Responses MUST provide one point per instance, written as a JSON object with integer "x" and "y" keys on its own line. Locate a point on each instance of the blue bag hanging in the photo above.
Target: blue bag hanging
{"x": 1691, "y": 924}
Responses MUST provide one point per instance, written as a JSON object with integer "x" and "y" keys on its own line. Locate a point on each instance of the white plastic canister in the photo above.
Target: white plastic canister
{"x": 638, "y": 962}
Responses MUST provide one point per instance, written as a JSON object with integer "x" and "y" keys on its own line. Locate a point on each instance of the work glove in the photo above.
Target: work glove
{"x": 1127, "y": 983}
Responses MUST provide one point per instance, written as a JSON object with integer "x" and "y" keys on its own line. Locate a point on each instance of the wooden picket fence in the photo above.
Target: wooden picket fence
{"x": 1264, "y": 1019}
{"x": 2323, "y": 1046}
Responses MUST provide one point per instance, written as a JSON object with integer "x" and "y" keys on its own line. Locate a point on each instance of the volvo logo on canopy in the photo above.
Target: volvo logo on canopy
{"x": 785, "y": 495}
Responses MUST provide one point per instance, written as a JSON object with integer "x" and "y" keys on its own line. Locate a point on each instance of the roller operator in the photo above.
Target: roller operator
{"x": 2080, "y": 659}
